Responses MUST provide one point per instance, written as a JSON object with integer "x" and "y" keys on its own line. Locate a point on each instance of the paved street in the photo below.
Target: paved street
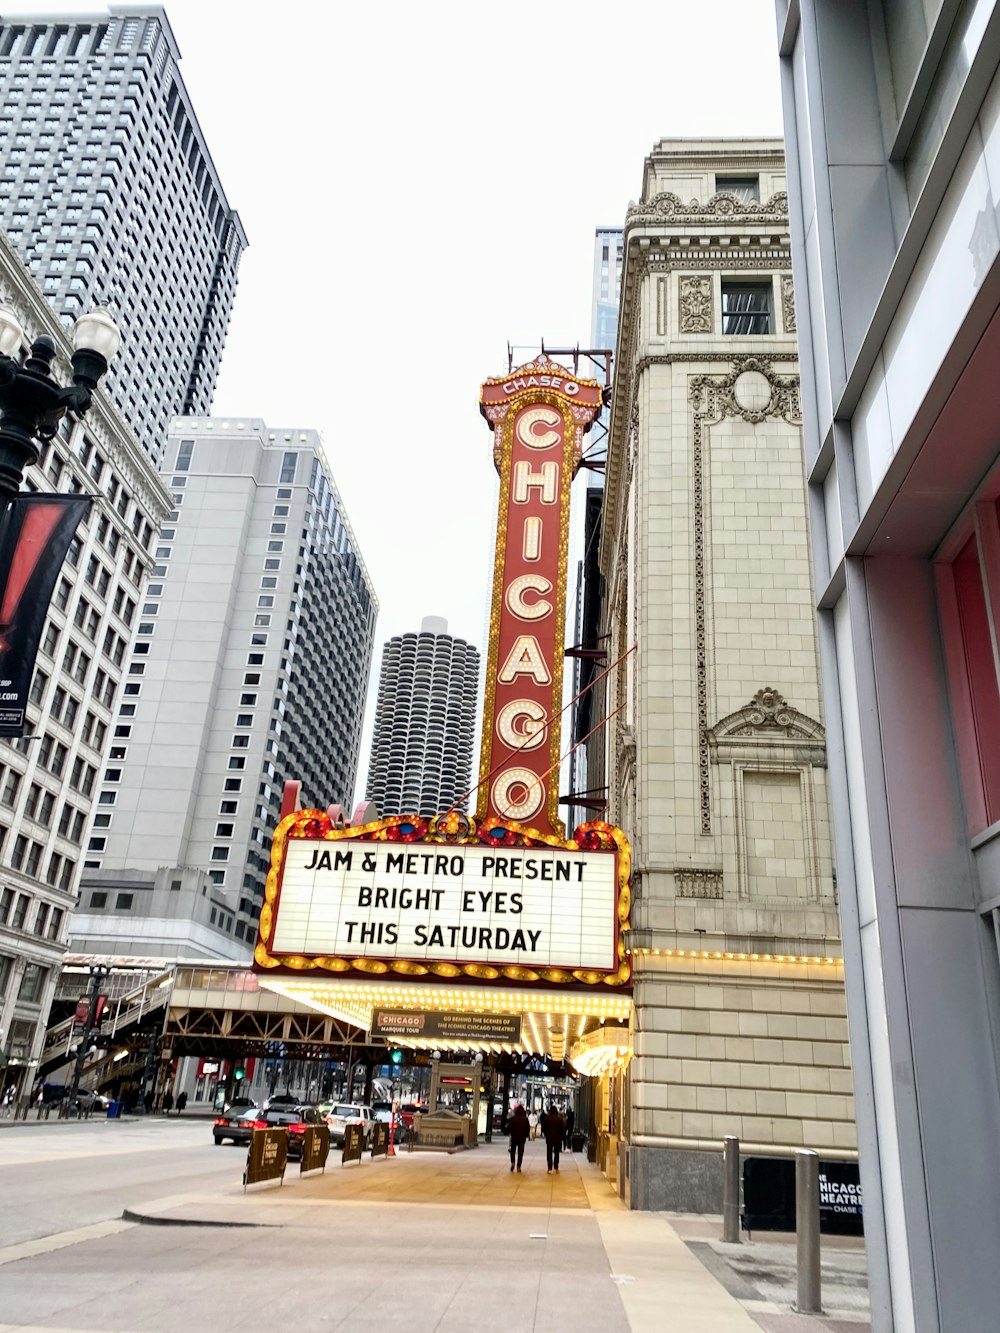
{"x": 428, "y": 1242}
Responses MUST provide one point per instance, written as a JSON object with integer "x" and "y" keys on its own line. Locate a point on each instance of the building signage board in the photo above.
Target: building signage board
{"x": 440, "y": 898}
{"x": 380, "y": 1139}
{"x": 399, "y": 1024}
{"x": 539, "y": 414}
{"x": 769, "y": 1196}
{"x": 534, "y": 906}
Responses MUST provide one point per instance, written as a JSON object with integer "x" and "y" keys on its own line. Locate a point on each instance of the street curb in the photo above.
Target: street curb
{"x": 146, "y": 1219}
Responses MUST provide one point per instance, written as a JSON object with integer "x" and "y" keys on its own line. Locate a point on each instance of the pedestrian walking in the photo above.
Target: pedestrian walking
{"x": 518, "y": 1128}
{"x": 570, "y": 1122}
{"x": 168, "y": 1102}
{"x": 147, "y": 1101}
{"x": 554, "y": 1128}
{"x": 8, "y": 1101}
{"x": 182, "y": 1101}
{"x": 533, "y": 1124}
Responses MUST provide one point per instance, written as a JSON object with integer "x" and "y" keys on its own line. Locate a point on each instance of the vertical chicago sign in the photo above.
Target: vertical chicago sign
{"x": 539, "y": 414}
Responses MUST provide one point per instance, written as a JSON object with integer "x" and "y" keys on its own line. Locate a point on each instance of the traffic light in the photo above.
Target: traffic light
{"x": 396, "y": 1057}
{"x": 239, "y": 1072}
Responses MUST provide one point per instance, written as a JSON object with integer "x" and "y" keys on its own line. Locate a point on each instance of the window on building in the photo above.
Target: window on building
{"x": 744, "y": 188}
{"x": 185, "y": 451}
{"x": 123, "y": 902}
{"x": 747, "y": 308}
{"x": 288, "y": 464}
{"x": 32, "y": 984}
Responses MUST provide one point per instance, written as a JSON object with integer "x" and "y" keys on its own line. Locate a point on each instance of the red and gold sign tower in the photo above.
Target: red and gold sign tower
{"x": 539, "y": 414}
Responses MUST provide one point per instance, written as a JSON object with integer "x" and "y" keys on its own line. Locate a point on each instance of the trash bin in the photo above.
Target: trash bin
{"x": 114, "y": 1110}
{"x": 577, "y": 1141}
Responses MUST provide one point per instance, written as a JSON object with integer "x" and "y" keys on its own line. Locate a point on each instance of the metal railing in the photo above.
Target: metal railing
{"x": 131, "y": 1008}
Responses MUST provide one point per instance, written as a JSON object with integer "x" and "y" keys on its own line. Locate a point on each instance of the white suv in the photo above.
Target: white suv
{"x": 343, "y": 1114}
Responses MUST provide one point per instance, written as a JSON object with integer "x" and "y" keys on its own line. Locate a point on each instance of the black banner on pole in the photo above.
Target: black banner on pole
{"x": 35, "y": 533}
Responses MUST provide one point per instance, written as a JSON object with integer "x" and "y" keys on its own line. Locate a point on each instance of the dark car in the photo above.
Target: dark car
{"x": 282, "y": 1099}
{"x": 240, "y": 1106}
{"x": 237, "y": 1125}
{"x": 293, "y": 1118}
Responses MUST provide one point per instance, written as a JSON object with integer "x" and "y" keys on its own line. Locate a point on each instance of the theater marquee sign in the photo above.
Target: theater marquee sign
{"x": 504, "y": 898}
{"x": 501, "y": 902}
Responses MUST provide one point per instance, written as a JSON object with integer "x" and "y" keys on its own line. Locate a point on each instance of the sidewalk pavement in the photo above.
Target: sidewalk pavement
{"x": 463, "y": 1224}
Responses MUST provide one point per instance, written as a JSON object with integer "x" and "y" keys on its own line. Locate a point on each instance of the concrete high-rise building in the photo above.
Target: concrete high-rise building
{"x": 49, "y": 779}
{"x": 109, "y": 193}
{"x": 715, "y": 745}
{"x": 892, "y": 116}
{"x": 250, "y": 666}
{"x": 421, "y": 755}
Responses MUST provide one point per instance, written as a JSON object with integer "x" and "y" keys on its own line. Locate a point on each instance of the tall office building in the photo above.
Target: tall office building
{"x": 109, "y": 193}
{"x": 250, "y": 667}
{"x": 421, "y": 755}
{"x": 49, "y": 779}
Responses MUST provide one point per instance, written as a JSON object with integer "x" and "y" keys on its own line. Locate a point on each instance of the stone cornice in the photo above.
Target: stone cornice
{"x": 668, "y": 207}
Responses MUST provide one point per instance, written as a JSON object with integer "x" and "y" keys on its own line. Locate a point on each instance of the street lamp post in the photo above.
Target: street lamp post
{"x": 97, "y": 974}
{"x": 32, "y": 403}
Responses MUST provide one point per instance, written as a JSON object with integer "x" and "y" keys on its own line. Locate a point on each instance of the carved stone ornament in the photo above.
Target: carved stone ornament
{"x": 767, "y": 716}
{"x": 717, "y": 396}
{"x": 719, "y": 207}
{"x": 787, "y": 303}
{"x": 697, "y": 883}
{"x": 696, "y": 304}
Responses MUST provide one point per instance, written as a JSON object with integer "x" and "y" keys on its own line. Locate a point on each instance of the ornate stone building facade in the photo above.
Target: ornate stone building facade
{"x": 715, "y": 747}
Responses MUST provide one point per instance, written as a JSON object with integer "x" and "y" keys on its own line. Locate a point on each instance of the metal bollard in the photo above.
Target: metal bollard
{"x": 807, "y": 1232}
{"x": 731, "y": 1190}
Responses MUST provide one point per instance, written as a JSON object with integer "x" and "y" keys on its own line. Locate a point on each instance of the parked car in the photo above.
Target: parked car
{"x": 87, "y": 1100}
{"x": 238, "y": 1126}
{"x": 408, "y": 1111}
{"x": 384, "y": 1114}
{"x": 283, "y": 1099}
{"x": 344, "y": 1114}
{"x": 239, "y": 1105}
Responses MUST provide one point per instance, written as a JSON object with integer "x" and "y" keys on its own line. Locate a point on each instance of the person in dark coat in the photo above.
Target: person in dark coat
{"x": 168, "y": 1102}
{"x": 182, "y": 1101}
{"x": 570, "y": 1122}
{"x": 518, "y": 1128}
{"x": 554, "y": 1128}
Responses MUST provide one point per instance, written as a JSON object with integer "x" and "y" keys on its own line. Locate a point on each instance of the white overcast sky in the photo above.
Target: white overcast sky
{"x": 420, "y": 183}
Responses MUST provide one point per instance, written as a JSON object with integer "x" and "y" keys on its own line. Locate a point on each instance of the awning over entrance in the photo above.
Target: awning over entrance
{"x": 587, "y": 1028}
